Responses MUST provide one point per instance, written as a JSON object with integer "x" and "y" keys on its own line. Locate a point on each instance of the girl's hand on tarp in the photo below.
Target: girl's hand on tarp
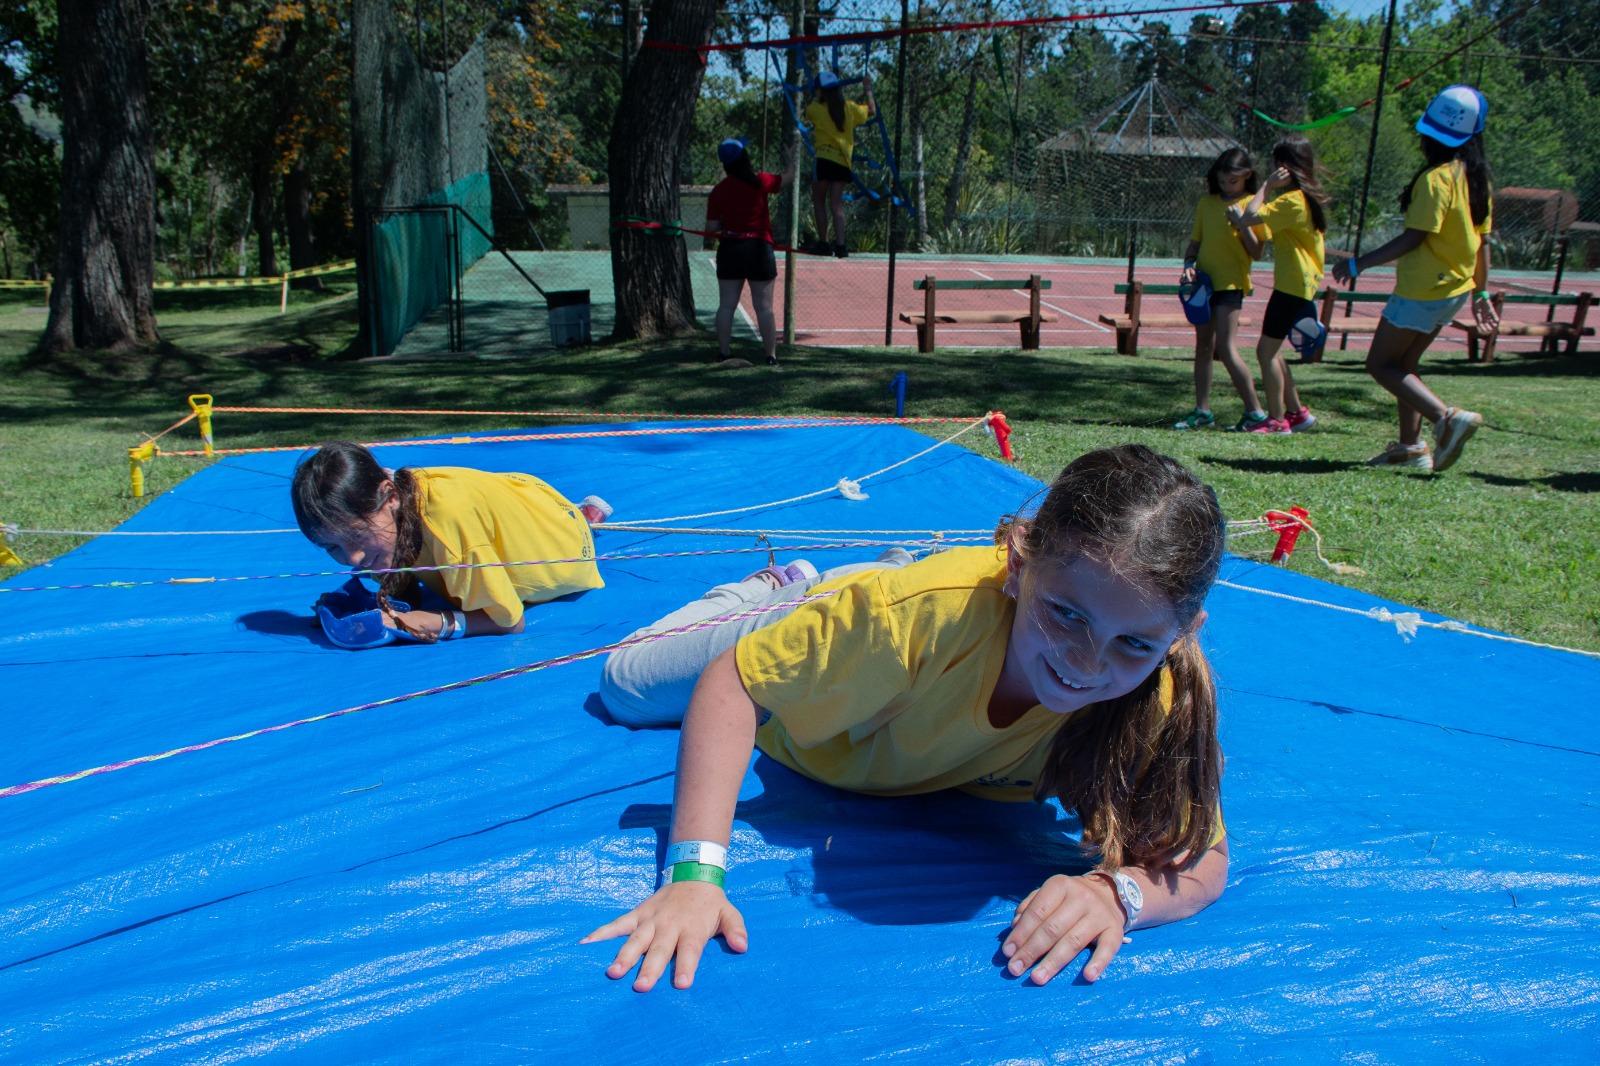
{"x": 675, "y": 923}
{"x": 1059, "y": 919}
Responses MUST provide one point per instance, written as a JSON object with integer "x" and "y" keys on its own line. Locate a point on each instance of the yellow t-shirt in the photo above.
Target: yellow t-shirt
{"x": 832, "y": 143}
{"x": 884, "y": 688}
{"x": 1297, "y": 245}
{"x": 1222, "y": 257}
{"x": 473, "y": 516}
{"x": 1442, "y": 266}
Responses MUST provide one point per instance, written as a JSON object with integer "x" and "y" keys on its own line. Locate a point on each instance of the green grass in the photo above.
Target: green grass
{"x": 1509, "y": 539}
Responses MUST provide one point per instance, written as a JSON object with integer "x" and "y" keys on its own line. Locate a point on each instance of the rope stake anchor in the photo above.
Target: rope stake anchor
{"x": 139, "y": 455}
{"x": 200, "y": 404}
{"x": 1002, "y": 433}
{"x": 1288, "y": 527}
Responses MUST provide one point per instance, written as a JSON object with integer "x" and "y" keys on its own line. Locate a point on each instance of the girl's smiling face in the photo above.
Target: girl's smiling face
{"x": 1232, "y": 183}
{"x": 369, "y": 546}
{"x": 1082, "y": 634}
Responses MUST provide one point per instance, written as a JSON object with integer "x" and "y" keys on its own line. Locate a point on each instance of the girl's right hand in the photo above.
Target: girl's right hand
{"x": 1188, "y": 274}
{"x": 675, "y": 923}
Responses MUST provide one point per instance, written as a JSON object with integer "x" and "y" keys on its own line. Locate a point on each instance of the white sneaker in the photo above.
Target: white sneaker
{"x": 1415, "y": 456}
{"x": 1450, "y": 433}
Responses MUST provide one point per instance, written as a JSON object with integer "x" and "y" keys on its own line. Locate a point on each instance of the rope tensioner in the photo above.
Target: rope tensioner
{"x": 1002, "y": 432}
{"x": 1288, "y": 527}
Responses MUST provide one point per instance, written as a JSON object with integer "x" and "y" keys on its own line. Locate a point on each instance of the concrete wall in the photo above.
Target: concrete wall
{"x": 589, "y": 212}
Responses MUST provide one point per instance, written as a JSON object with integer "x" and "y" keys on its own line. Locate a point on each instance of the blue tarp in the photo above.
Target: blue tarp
{"x": 1415, "y": 827}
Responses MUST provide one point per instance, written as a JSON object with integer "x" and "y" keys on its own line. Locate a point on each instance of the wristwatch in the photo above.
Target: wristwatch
{"x": 1129, "y": 894}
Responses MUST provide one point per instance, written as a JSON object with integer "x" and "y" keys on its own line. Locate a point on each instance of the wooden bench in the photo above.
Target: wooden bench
{"x": 928, "y": 320}
{"x": 1480, "y": 347}
{"x": 1552, "y": 332}
{"x": 1134, "y": 318}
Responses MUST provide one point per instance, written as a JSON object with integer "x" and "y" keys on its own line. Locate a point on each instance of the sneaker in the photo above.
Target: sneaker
{"x": 779, "y": 576}
{"x": 1196, "y": 419}
{"x": 1271, "y": 425}
{"x": 1251, "y": 422}
{"x": 816, "y": 247}
{"x": 800, "y": 570}
{"x": 1450, "y": 433}
{"x": 1301, "y": 420}
{"x": 594, "y": 510}
{"x": 841, "y": 252}
{"x": 1414, "y": 456}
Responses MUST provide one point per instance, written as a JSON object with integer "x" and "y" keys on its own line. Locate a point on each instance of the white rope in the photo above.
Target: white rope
{"x": 13, "y": 530}
{"x": 1406, "y": 623}
{"x": 848, "y": 487}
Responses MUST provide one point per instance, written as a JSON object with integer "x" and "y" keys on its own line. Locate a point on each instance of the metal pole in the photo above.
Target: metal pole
{"x": 894, "y": 212}
{"x": 796, "y": 28}
{"x": 1372, "y": 150}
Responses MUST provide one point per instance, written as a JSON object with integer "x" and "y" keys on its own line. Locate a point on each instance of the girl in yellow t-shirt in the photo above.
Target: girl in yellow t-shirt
{"x": 1443, "y": 257}
{"x": 1224, "y": 255}
{"x": 373, "y": 519}
{"x": 1297, "y": 220}
{"x": 833, "y": 121}
{"x": 1061, "y": 662}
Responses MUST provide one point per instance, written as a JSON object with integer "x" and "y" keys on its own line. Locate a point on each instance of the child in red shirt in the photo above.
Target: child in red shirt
{"x": 737, "y": 213}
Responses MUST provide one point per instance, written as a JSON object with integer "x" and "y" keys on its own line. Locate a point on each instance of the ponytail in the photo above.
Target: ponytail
{"x": 1145, "y": 778}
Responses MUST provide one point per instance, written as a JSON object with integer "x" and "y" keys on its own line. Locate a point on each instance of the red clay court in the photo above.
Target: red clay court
{"x": 840, "y": 302}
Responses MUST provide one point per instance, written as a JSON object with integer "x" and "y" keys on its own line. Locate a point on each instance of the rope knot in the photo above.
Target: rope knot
{"x": 1405, "y": 622}
{"x": 850, "y": 490}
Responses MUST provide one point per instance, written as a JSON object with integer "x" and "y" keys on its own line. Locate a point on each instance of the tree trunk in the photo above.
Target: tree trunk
{"x": 958, "y": 173}
{"x": 921, "y": 183}
{"x": 650, "y": 270}
{"x": 102, "y": 296}
{"x": 261, "y": 220}
{"x": 297, "y": 220}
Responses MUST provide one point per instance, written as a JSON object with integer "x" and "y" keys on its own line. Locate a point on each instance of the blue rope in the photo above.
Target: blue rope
{"x": 808, "y": 83}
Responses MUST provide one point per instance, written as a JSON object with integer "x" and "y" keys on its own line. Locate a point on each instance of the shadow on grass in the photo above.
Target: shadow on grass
{"x": 1570, "y": 481}
{"x": 1286, "y": 466}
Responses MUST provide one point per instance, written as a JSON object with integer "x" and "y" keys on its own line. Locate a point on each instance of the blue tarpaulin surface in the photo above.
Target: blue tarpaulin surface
{"x": 1415, "y": 827}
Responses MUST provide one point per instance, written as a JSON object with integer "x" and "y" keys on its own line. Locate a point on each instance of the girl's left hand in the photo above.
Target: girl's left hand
{"x": 1059, "y": 919}
{"x": 1280, "y": 178}
{"x": 1484, "y": 317}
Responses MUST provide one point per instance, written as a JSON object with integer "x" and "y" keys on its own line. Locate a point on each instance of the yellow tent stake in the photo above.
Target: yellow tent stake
{"x": 200, "y": 404}
{"x": 137, "y": 457}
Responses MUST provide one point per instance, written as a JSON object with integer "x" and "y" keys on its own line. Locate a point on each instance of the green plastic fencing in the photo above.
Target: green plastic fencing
{"x": 414, "y": 260}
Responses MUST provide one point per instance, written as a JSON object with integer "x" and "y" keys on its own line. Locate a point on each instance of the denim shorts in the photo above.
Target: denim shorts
{"x": 1422, "y": 316}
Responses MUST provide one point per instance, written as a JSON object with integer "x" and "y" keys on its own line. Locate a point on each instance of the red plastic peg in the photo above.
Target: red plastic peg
{"x": 1002, "y": 433}
{"x": 1288, "y": 527}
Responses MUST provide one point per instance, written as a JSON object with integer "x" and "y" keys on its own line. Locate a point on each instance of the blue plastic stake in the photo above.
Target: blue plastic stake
{"x": 898, "y": 387}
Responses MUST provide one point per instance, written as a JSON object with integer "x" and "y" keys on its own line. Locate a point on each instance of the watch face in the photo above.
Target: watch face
{"x": 1135, "y": 893}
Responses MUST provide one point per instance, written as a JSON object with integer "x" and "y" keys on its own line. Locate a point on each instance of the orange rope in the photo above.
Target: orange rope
{"x": 185, "y": 420}
{"x": 508, "y": 438}
{"x": 852, "y": 419}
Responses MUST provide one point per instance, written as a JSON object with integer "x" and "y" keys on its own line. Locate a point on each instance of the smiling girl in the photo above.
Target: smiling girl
{"x": 1062, "y": 662}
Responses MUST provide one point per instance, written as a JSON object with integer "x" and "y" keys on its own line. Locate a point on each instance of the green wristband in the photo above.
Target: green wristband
{"x": 695, "y": 871}
{"x": 1481, "y": 294}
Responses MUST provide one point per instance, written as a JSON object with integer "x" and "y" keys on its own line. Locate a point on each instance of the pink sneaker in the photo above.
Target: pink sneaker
{"x": 594, "y": 510}
{"x": 1270, "y": 425}
{"x": 1301, "y": 420}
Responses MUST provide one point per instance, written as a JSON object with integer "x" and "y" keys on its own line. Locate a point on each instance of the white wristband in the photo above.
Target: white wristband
{"x": 455, "y": 625}
{"x": 704, "y": 852}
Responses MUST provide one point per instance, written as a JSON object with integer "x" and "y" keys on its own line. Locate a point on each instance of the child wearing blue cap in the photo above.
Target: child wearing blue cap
{"x": 833, "y": 121}
{"x": 1223, "y": 255}
{"x": 1443, "y": 257}
{"x": 1297, "y": 219}
{"x": 737, "y": 212}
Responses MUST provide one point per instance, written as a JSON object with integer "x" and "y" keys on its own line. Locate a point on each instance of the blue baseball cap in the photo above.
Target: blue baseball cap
{"x": 1455, "y": 116}
{"x": 730, "y": 150}
{"x": 1308, "y": 335}
{"x": 1196, "y": 299}
{"x": 827, "y": 79}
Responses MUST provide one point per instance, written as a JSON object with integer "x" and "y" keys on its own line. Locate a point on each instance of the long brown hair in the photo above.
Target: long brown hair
{"x": 1296, "y": 155}
{"x": 1144, "y": 777}
{"x": 339, "y": 487}
{"x": 1474, "y": 161}
{"x": 833, "y": 96}
{"x": 1233, "y": 159}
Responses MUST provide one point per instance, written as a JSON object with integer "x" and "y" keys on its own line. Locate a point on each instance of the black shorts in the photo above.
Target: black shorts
{"x": 828, "y": 170}
{"x": 746, "y": 259}
{"x": 1227, "y": 298}
{"x": 1284, "y": 310}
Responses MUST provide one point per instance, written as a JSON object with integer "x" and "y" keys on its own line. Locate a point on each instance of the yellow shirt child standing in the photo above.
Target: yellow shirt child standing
{"x": 1298, "y": 246}
{"x": 1442, "y": 266}
{"x": 1222, "y": 256}
{"x": 833, "y": 143}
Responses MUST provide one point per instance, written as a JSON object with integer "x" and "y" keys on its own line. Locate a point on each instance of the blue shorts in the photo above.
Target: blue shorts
{"x": 1422, "y": 316}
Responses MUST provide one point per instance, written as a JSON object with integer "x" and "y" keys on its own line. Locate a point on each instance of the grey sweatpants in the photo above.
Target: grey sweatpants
{"x": 650, "y": 684}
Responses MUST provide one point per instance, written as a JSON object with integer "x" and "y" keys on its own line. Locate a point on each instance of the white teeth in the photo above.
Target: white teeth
{"x": 1064, "y": 681}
